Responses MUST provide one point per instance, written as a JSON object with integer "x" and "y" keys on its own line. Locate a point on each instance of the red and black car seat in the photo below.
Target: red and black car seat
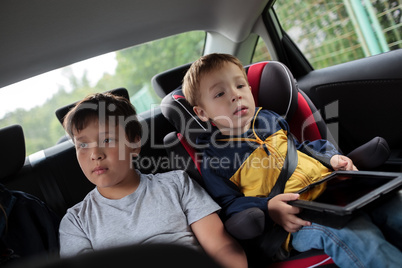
{"x": 273, "y": 88}
{"x": 181, "y": 145}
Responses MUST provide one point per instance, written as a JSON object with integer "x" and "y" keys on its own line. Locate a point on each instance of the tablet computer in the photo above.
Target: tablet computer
{"x": 345, "y": 193}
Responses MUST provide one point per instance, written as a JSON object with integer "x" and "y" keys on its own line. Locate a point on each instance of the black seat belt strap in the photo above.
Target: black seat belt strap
{"x": 288, "y": 168}
{"x": 273, "y": 239}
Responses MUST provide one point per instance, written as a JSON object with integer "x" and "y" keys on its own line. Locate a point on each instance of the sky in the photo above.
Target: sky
{"x": 49, "y": 83}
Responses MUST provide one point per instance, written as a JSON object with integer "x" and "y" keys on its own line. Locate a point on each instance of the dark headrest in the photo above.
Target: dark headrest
{"x": 61, "y": 112}
{"x": 274, "y": 87}
{"x": 12, "y": 144}
{"x": 166, "y": 82}
{"x": 180, "y": 114}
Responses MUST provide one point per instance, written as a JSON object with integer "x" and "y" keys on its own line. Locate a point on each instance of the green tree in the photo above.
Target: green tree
{"x": 137, "y": 65}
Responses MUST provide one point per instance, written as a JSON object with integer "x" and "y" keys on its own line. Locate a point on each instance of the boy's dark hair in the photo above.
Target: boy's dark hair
{"x": 103, "y": 106}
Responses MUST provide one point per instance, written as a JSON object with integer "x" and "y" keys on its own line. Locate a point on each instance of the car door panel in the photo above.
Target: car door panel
{"x": 361, "y": 99}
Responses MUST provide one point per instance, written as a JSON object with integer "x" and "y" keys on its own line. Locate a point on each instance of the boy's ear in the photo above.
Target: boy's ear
{"x": 200, "y": 113}
{"x": 137, "y": 147}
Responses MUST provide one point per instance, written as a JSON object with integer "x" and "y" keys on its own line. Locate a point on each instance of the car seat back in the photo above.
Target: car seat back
{"x": 12, "y": 159}
{"x": 274, "y": 88}
{"x": 27, "y": 226}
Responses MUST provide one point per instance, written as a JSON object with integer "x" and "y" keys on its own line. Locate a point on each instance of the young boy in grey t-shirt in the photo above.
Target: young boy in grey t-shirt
{"x": 128, "y": 207}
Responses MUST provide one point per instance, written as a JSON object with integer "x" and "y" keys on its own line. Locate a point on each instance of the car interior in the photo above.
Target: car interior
{"x": 355, "y": 104}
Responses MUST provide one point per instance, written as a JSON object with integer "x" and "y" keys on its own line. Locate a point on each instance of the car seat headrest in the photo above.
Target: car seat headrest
{"x": 273, "y": 87}
{"x": 167, "y": 81}
{"x": 12, "y": 143}
{"x": 61, "y": 112}
{"x": 180, "y": 114}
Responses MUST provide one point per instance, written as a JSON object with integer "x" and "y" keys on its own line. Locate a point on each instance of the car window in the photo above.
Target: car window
{"x": 261, "y": 52}
{"x": 32, "y": 103}
{"x": 331, "y": 32}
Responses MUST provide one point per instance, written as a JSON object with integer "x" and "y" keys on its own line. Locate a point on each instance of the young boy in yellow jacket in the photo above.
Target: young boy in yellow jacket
{"x": 243, "y": 159}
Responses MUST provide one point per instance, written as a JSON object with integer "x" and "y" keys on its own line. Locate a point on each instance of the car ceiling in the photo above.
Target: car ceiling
{"x": 39, "y": 36}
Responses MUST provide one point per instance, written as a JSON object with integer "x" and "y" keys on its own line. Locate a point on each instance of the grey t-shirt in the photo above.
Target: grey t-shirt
{"x": 161, "y": 210}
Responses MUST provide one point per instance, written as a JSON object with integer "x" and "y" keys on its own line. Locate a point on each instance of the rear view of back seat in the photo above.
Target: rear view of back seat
{"x": 53, "y": 175}
{"x": 28, "y": 228}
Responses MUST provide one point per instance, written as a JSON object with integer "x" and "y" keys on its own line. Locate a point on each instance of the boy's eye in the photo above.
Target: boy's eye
{"x": 220, "y": 94}
{"x": 109, "y": 141}
{"x": 240, "y": 86}
{"x": 83, "y": 145}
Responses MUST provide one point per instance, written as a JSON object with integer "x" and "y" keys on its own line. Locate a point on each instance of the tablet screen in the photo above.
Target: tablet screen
{"x": 343, "y": 189}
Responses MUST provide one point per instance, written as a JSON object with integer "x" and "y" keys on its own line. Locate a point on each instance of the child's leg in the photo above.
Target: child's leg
{"x": 388, "y": 217}
{"x": 359, "y": 244}
{"x": 246, "y": 224}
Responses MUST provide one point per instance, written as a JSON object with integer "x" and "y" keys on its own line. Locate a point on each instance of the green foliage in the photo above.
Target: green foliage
{"x": 135, "y": 68}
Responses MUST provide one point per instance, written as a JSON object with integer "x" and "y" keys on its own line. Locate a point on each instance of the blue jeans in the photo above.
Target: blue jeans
{"x": 363, "y": 242}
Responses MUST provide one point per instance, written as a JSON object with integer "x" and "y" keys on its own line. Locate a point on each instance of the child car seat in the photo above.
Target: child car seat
{"x": 273, "y": 88}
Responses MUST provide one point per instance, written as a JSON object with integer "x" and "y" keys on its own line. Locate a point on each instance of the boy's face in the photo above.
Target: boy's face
{"x": 105, "y": 156}
{"x": 226, "y": 99}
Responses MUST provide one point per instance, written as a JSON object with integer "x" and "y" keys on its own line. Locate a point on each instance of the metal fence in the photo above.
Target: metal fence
{"x": 330, "y": 32}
